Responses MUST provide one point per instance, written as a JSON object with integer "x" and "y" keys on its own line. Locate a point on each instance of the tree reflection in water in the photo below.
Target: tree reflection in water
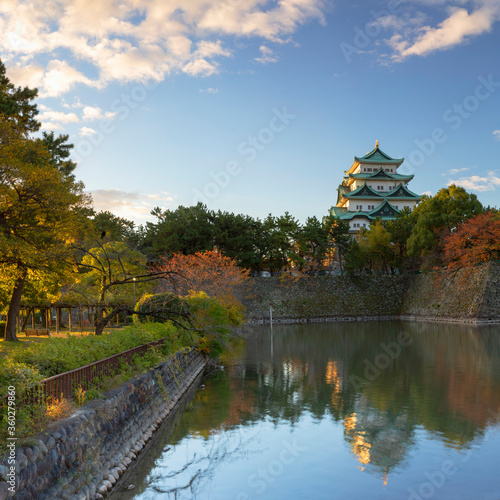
{"x": 443, "y": 384}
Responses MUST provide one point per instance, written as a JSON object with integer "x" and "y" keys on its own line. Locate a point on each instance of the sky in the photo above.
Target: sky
{"x": 256, "y": 106}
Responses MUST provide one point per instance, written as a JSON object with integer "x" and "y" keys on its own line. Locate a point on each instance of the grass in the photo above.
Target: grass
{"x": 8, "y": 347}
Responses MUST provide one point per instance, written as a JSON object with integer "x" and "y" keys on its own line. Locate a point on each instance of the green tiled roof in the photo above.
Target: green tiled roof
{"x": 338, "y": 211}
{"x": 381, "y": 174}
{"x": 354, "y": 215}
{"x": 386, "y": 210}
{"x": 402, "y": 192}
{"x": 378, "y": 156}
{"x": 363, "y": 191}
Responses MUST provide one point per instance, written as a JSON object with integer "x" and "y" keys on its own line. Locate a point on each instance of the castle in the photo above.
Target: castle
{"x": 371, "y": 189}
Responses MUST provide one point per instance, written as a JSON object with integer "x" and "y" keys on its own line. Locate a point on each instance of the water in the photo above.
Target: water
{"x": 387, "y": 410}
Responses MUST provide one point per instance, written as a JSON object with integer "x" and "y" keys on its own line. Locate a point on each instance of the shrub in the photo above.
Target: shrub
{"x": 58, "y": 355}
{"x": 19, "y": 375}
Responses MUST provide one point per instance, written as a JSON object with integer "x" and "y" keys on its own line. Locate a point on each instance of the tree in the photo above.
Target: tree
{"x": 338, "y": 235}
{"x": 235, "y": 235}
{"x": 110, "y": 227}
{"x": 442, "y": 212}
{"x": 210, "y": 272}
{"x": 376, "y": 241}
{"x": 16, "y": 104}
{"x": 186, "y": 230}
{"x": 282, "y": 233}
{"x": 113, "y": 272}
{"x": 474, "y": 241}
{"x": 400, "y": 230}
{"x": 40, "y": 214}
{"x": 313, "y": 245}
{"x": 59, "y": 150}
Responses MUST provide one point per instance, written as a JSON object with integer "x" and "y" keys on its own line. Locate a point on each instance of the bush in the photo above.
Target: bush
{"x": 161, "y": 306}
{"x": 214, "y": 317}
{"x": 58, "y": 355}
{"x": 19, "y": 375}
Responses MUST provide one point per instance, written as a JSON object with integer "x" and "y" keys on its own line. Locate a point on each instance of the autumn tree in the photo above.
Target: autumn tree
{"x": 438, "y": 215}
{"x": 474, "y": 241}
{"x": 210, "y": 272}
{"x": 40, "y": 214}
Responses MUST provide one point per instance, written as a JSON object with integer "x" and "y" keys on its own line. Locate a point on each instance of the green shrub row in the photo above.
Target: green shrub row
{"x": 28, "y": 366}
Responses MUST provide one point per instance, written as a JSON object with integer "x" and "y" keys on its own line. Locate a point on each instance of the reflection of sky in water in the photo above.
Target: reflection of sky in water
{"x": 292, "y": 424}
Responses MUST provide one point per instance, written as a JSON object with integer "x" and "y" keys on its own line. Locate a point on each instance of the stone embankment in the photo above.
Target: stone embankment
{"x": 465, "y": 297}
{"x": 324, "y": 298}
{"x": 462, "y": 297}
{"x": 82, "y": 457}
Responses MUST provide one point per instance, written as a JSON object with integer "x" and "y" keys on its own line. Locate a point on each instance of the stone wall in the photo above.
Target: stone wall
{"x": 83, "y": 456}
{"x": 490, "y": 307}
{"x": 324, "y": 297}
{"x": 463, "y": 297}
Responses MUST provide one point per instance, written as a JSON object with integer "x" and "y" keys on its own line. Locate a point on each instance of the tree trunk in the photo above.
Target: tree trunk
{"x": 14, "y": 306}
{"x": 31, "y": 313}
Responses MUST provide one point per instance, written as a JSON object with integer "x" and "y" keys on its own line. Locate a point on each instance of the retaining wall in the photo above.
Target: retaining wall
{"x": 82, "y": 457}
{"x": 466, "y": 297}
{"x": 325, "y": 298}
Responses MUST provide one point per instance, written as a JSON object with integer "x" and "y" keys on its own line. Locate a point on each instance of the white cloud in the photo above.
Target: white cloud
{"x": 454, "y": 171}
{"x": 426, "y": 193}
{"x": 210, "y": 90}
{"x": 58, "y": 116}
{"x": 496, "y": 134}
{"x": 86, "y": 131}
{"x": 200, "y": 67}
{"x": 91, "y": 113}
{"x": 267, "y": 55}
{"x": 452, "y": 31}
{"x": 51, "y": 126}
{"x": 133, "y": 205}
{"x": 135, "y": 41}
{"x": 477, "y": 183}
{"x": 412, "y": 35}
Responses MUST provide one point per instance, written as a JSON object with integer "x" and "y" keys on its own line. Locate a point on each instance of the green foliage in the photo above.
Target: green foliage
{"x": 240, "y": 237}
{"x": 15, "y": 104}
{"x": 214, "y": 318}
{"x": 58, "y": 355}
{"x": 338, "y": 235}
{"x": 40, "y": 214}
{"x": 312, "y": 244}
{"x": 18, "y": 374}
{"x": 112, "y": 228}
{"x": 440, "y": 214}
{"x": 160, "y": 307}
{"x": 186, "y": 230}
{"x": 400, "y": 230}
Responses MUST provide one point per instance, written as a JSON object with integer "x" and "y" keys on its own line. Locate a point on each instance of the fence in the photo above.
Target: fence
{"x": 89, "y": 376}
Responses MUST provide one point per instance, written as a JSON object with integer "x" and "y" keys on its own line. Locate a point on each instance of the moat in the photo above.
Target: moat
{"x": 375, "y": 410}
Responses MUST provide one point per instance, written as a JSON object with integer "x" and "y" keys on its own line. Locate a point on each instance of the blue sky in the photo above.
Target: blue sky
{"x": 258, "y": 107}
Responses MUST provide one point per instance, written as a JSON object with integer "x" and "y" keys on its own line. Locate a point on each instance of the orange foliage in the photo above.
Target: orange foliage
{"x": 209, "y": 272}
{"x": 474, "y": 241}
